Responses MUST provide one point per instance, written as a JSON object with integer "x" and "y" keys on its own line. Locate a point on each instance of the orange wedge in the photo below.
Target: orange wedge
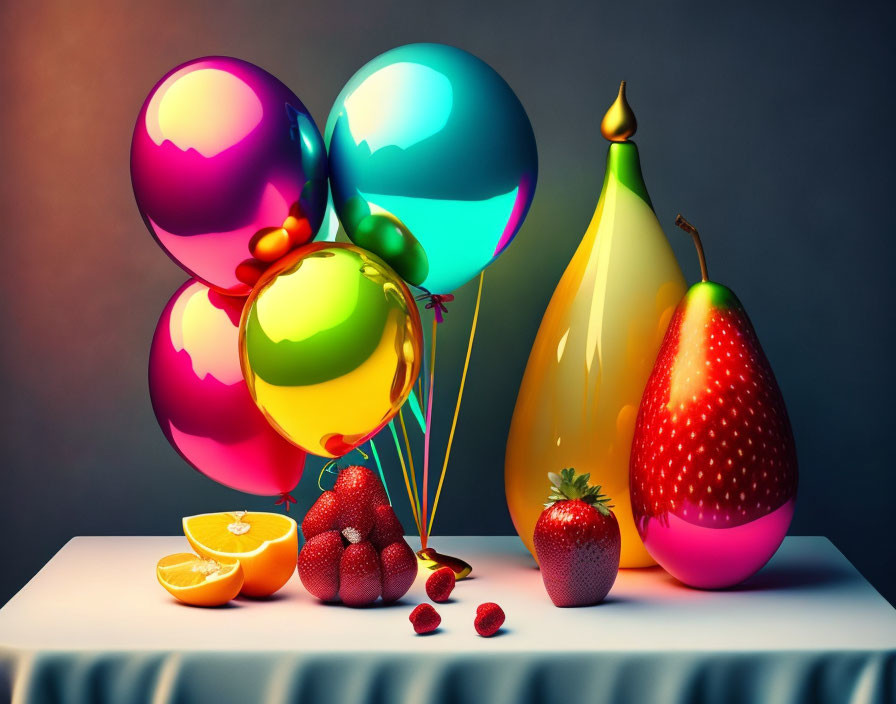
{"x": 198, "y": 581}
{"x": 266, "y": 545}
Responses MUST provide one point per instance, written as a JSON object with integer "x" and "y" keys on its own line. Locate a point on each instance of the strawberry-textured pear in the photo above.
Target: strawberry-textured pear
{"x": 713, "y": 464}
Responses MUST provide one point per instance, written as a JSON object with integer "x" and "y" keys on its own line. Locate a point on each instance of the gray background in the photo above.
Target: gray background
{"x": 770, "y": 127}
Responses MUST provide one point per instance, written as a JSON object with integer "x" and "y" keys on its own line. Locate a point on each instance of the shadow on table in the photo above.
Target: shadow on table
{"x": 794, "y": 576}
{"x": 777, "y": 577}
{"x": 402, "y": 603}
{"x": 222, "y": 607}
{"x": 276, "y": 596}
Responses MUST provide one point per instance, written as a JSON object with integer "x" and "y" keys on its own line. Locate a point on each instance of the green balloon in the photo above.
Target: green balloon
{"x": 387, "y": 236}
{"x": 343, "y": 341}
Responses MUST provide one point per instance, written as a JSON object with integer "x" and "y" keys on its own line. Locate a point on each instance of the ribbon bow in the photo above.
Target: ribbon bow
{"x": 286, "y": 499}
{"x": 437, "y": 303}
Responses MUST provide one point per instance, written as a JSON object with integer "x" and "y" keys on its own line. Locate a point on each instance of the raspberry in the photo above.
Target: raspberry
{"x": 425, "y": 618}
{"x": 489, "y": 617}
{"x": 440, "y": 584}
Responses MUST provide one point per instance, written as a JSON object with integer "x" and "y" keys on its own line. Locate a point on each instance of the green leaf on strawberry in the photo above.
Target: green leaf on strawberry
{"x": 567, "y": 486}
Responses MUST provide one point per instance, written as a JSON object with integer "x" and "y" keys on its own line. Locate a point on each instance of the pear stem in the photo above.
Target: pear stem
{"x": 690, "y": 229}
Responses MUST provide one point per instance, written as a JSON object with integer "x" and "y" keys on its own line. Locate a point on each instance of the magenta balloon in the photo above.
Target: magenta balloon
{"x": 201, "y": 400}
{"x": 222, "y": 155}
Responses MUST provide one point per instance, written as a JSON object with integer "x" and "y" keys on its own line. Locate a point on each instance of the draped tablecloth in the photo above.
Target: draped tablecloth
{"x": 95, "y": 626}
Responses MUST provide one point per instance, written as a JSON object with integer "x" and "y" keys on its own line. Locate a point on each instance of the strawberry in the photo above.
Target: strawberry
{"x": 713, "y": 447}
{"x": 399, "y": 570}
{"x": 356, "y": 482}
{"x": 489, "y": 619}
{"x": 360, "y": 578}
{"x": 577, "y": 541}
{"x": 425, "y": 619}
{"x": 440, "y": 584}
{"x": 319, "y": 563}
{"x": 355, "y": 521}
{"x": 321, "y": 516}
{"x": 360, "y": 492}
{"x": 386, "y": 527}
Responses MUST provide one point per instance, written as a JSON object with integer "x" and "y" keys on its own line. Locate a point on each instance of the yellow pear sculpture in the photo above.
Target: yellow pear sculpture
{"x": 595, "y": 348}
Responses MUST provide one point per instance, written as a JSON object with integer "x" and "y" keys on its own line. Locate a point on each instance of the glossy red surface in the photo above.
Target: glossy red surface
{"x": 713, "y": 465}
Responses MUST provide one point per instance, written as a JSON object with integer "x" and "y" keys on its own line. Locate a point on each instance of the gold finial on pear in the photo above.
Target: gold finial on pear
{"x": 619, "y": 121}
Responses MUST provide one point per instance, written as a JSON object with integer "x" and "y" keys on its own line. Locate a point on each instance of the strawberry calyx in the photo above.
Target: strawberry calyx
{"x": 567, "y": 486}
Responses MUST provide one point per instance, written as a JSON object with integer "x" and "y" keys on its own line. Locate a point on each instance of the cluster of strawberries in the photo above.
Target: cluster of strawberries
{"x": 355, "y": 551}
{"x": 425, "y": 619}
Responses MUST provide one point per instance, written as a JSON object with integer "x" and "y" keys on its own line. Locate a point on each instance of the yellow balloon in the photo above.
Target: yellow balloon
{"x": 330, "y": 346}
{"x": 594, "y": 351}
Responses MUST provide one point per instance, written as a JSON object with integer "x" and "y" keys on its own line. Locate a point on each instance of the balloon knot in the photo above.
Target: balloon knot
{"x": 437, "y": 303}
{"x": 285, "y": 499}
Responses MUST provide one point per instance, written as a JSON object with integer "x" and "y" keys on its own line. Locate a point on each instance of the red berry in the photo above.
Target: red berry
{"x": 425, "y": 618}
{"x": 359, "y": 482}
{"x": 359, "y": 491}
{"x": 318, "y": 565}
{"x": 440, "y": 584}
{"x": 360, "y": 578}
{"x": 577, "y": 542}
{"x": 399, "y": 570}
{"x": 321, "y": 516}
{"x": 355, "y": 521}
{"x": 489, "y": 617}
{"x": 387, "y": 528}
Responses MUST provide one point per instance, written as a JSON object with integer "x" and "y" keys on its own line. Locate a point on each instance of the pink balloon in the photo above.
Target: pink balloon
{"x": 201, "y": 401}
{"x": 229, "y": 170}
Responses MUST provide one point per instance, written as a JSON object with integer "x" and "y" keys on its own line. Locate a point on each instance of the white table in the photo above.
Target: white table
{"x": 94, "y": 626}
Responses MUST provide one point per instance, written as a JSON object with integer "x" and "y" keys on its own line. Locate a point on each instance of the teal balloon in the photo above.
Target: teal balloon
{"x": 433, "y": 137}
{"x": 330, "y": 224}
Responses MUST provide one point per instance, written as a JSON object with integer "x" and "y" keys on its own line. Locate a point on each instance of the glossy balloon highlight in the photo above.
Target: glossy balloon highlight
{"x": 201, "y": 401}
{"x": 229, "y": 170}
{"x": 432, "y": 136}
{"x": 389, "y": 236}
{"x": 330, "y": 344}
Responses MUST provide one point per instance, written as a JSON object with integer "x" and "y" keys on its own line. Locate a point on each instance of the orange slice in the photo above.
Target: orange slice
{"x": 266, "y": 545}
{"x": 198, "y": 581}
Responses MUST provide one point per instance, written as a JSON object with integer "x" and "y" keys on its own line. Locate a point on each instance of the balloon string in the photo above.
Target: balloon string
{"x": 417, "y": 413}
{"x": 460, "y": 395}
{"x": 325, "y": 468}
{"x": 404, "y": 471}
{"x": 379, "y": 466}
{"x": 407, "y": 444}
{"x": 428, "y": 434}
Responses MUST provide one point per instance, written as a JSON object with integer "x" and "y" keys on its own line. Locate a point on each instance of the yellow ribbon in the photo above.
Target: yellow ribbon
{"x": 460, "y": 395}
{"x": 404, "y": 471}
{"x": 407, "y": 444}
